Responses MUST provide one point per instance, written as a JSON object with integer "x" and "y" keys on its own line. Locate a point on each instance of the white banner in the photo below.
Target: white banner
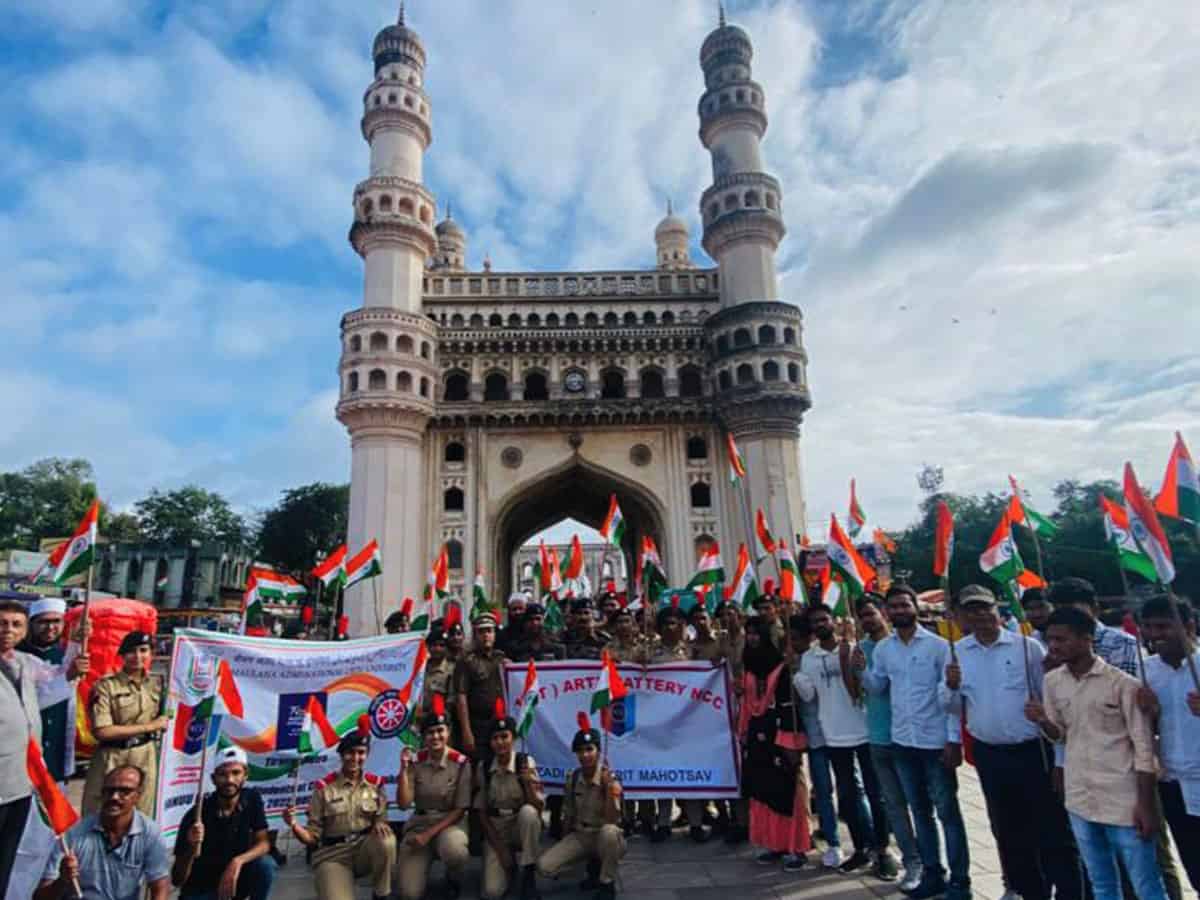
{"x": 672, "y": 736}
{"x": 275, "y": 678}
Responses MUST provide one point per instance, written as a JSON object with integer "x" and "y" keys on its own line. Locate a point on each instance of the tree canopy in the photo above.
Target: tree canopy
{"x": 46, "y": 499}
{"x": 307, "y": 521}
{"x": 190, "y": 513}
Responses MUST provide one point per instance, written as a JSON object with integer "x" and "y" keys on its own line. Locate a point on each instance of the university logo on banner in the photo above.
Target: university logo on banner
{"x": 624, "y": 715}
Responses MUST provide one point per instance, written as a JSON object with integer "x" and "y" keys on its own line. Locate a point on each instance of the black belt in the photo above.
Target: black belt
{"x": 334, "y": 841}
{"x": 127, "y": 743}
{"x": 494, "y": 811}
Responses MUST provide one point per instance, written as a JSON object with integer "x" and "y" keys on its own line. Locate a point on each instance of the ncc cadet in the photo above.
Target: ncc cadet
{"x": 626, "y": 644}
{"x": 591, "y": 813}
{"x": 127, "y": 718}
{"x": 348, "y": 825}
{"x": 510, "y": 803}
{"x": 585, "y": 640}
{"x": 456, "y": 638}
{"x": 708, "y": 644}
{"x": 439, "y": 672}
{"x": 534, "y": 642}
{"x": 478, "y": 681}
{"x": 437, "y": 785}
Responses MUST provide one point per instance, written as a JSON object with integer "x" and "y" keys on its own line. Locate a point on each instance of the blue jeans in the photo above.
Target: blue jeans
{"x": 1100, "y": 845}
{"x": 822, "y": 784}
{"x": 254, "y": 882}
{"x": 883, "y": 756}
{"x": 928, "y": 785}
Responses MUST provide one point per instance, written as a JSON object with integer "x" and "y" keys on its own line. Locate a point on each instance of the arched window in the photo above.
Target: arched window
{"x": 352, "y": 382}
{"x": 652, "y": 385}
{"x": 630, "y": 318}
{"x": 385, "y": 203}
{"x": 552, "y": 320}
{"x": 457, "y": 387}
{"x": 455, "y": 452}
{"x": 534, "y": 321}
{"x": 793, "y": 373}
{"x": 722, "y": 344}
{"x": 535, "y": 386}
{"x": 745, "y": 374}
{"x": 456, "y": 320}
{"x": 701, "y": 495}
{"x": 495, "y": 387}
{"x": 771, "y": 202}
{"x": 496, "y": 320}
{"x": 571, "y": 321}
{"x": 477, "y": 321}
{"x": 425, "y": 349}
{"x": 404, "y": 382}
{"x": 452, "y": 500}
{"x": 377, "y": 380}
{"x": 668, "y": 318}
{"x": 751, "y": 199}
{"x": 514, "y": 321}
{"x": 611, "y": 320}
{"x": 766, "y": 334}
{"x": 405, "y": 206}
{"x": 591, "y": 320}
{"x": 648, "y": 317}
{"x": 404, "y": 344}
{"x": 770, "y": 370}
{"x": 789, "y": 335}
{"x": 424, "y": 387}
{"x": 612, "y": 385}
{"x": 454, "y": 554}
{"x": 356, "y": 344}
{"x": 731, "y": 201}
{"x": 691, "y": 382}
{"x": 697, "y": 447}
{"x": 725, "y": 380}
{"x": 379, "y": 341}
{"x": 741, "y": 337}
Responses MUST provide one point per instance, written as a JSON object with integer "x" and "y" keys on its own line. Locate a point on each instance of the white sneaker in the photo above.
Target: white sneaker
{"x": 912, "y": 877}
{"x": 831, "y": 858}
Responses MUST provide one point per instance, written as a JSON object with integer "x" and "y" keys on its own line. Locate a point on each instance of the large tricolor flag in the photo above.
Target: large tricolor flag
{"x": 366, "y": 563}
{"x": 611, "y": 687}
{"x": 316, "y": 734}
{"x": 251, "y": 603}
{"x": 438, "y": 585}
{"x": 574, "y": 560}
{"x": 1021, "y": 513}
{"x": 60, "y": 815}
{"x": 1129, "y": 555}
{"x": 277, "y": 587}
{"x": 1180, "y": 494}
{"x": 1001, "y": 560}
{"x": 943, "y": 540}
{"x": 737, "y": 465}
{"x": 543, "y": 566}
{"x": 75, "y": 556}
{"x": 883, "y": 541}
{"x": 332, "y": 569}
{"x": 529, "y": 700}
{"x": 613, "y": 529}
{"x": 1146, "y": 529}
{"x": 654, "y": 577}
{"x": 789, "y": 572}
{"x": 857, "y": 517}
{"x": 710, "y": 570}
{"x": 856, "y": 573}
{"x": 744, "y": 590}
{"x": 764, "y": 544}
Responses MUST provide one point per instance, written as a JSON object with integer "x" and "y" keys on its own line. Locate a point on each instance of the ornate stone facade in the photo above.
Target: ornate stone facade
{"x": 485, "y": 406}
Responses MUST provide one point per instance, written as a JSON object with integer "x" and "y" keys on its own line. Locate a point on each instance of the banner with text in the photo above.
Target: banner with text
{"x": 672, "y": 735}
{"x": 351, "y": 679}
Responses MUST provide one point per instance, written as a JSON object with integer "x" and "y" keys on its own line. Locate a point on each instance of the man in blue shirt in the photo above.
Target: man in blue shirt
{"x": 113, "y": 852}
{"x": 908, "y": 666}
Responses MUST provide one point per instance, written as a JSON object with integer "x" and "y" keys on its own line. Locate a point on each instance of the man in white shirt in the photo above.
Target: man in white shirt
{"x": 824, "y": 674}
{"x": 996, "y": 672}
{"x": 1173, "y": 700}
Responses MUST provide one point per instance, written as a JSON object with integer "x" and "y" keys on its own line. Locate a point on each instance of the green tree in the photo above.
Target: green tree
{"x": 308, "y": 520}
{"x": 123, "y": 527}
{"x": 190, "y": 513}
{"x": 45, "y": 499}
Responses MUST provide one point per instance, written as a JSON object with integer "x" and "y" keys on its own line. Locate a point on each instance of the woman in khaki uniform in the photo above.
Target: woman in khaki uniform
{"x": 437, "y": 784}
{"x": 510, "y": 804}
{"x": 348, "y": 825}
{"x": 127, "y": 719}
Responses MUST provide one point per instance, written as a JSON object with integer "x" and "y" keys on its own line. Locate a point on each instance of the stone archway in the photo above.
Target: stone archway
{"x": 578, "y": 490}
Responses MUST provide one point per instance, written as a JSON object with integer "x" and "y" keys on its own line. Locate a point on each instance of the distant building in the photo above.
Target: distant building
{"x": 174, "y": 576}
{"x": 601, "y": 563}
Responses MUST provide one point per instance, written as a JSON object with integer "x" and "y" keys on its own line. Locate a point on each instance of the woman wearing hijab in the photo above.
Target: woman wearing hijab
{"x": 771, "y": 744}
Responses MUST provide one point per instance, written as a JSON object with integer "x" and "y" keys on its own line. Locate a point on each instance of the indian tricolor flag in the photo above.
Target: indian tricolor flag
{"x": 575, "y": 559}
{"x": 75, "y": 556}
{"x": 251, "y": 603}
{"x": 332, "y": 569}
{"x": 654, "y": 576}
{"x": 789, "y": 572}
{"x": 745, "y": 585}
{"x": 528, "y": 701}
{"x": 316, "y": 734}
{"x": 1000, "y": 559}
{"x": 943, "y": 540}
{"x": 613, "y": 529}
{"x": 857, "y": 517}
{"x": 555, "y": 580}
{"x": 366, "y": 563}
{"x": 479, "y": 597}
{"x": 856, "y": 573}
{"x": 1146, "y": 529}
{"x": 737, "y": 465}
{"x": 277, "y": 586}
{"x": 764, "y": 544}
{"x": 710, "y": 569}
{"x": 1021, "y": 513}
{"x": 1129, "y": 555}
{"x": 611, "y": 687}
{"x": 1180, "y": 494}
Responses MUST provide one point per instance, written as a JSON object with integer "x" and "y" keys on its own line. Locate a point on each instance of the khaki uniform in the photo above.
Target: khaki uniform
{"x": 515, "y": 819}
{"x": 439, "y": 679}
{"x": 480, "y": 678}
{"x": 580, "y": 647}
{"x": 627, "y": 652}
{"x": 660, "y": 654}
{"x": 440, "y": 786}
{"x": 342, "y": 816}
{"x": 120, "y": 700}
{"x": 590, "y": 836}
{"x": 711, "y": 650}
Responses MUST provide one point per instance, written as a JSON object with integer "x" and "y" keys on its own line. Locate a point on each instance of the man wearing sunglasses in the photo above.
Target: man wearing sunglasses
{"x": 112, "y": 853}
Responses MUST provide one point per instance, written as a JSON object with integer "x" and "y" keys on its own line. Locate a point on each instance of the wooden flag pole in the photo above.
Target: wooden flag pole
{"x": 62, "y": 842}
{"x": 87, "y": 604}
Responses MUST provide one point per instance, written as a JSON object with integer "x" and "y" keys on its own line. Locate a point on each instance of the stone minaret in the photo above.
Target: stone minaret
{"x": 757, "y": 359}
{"x": 388, "y": 370}
{"x": 671, "y": 242}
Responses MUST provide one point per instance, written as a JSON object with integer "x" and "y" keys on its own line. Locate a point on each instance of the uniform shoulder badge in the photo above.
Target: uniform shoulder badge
{"x": 423, "y": 756}
{"x": 460, "y": 758}
{"x": 372, "y": 778}
{"x": 326, "y": 781}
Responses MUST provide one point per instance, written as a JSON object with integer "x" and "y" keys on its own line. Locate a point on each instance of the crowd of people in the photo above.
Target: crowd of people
{"x": 1085, "y": 739}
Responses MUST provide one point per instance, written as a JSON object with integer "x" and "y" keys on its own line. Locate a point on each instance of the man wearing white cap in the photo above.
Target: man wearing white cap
{"x": 225, "y": 854}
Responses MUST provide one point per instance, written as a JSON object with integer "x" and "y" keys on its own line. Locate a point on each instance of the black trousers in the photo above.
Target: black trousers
{"x": 13, "y": 816}
{"x": 860, "y": 803}
{"x": 1184, "y": 828}
{"x": 1029, "y": 821}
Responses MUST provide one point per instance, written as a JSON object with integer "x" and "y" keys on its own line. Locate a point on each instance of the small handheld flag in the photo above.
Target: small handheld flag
{"x": 1146, "y": 529}
{"x": 1180, "y": 494}
{"x": 943, "y": 540}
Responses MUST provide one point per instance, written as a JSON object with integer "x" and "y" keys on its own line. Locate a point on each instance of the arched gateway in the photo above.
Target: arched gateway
{"x": 484, "y": 406}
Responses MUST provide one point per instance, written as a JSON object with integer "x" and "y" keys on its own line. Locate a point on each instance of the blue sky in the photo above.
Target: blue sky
{"x": 993, "y": 215}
